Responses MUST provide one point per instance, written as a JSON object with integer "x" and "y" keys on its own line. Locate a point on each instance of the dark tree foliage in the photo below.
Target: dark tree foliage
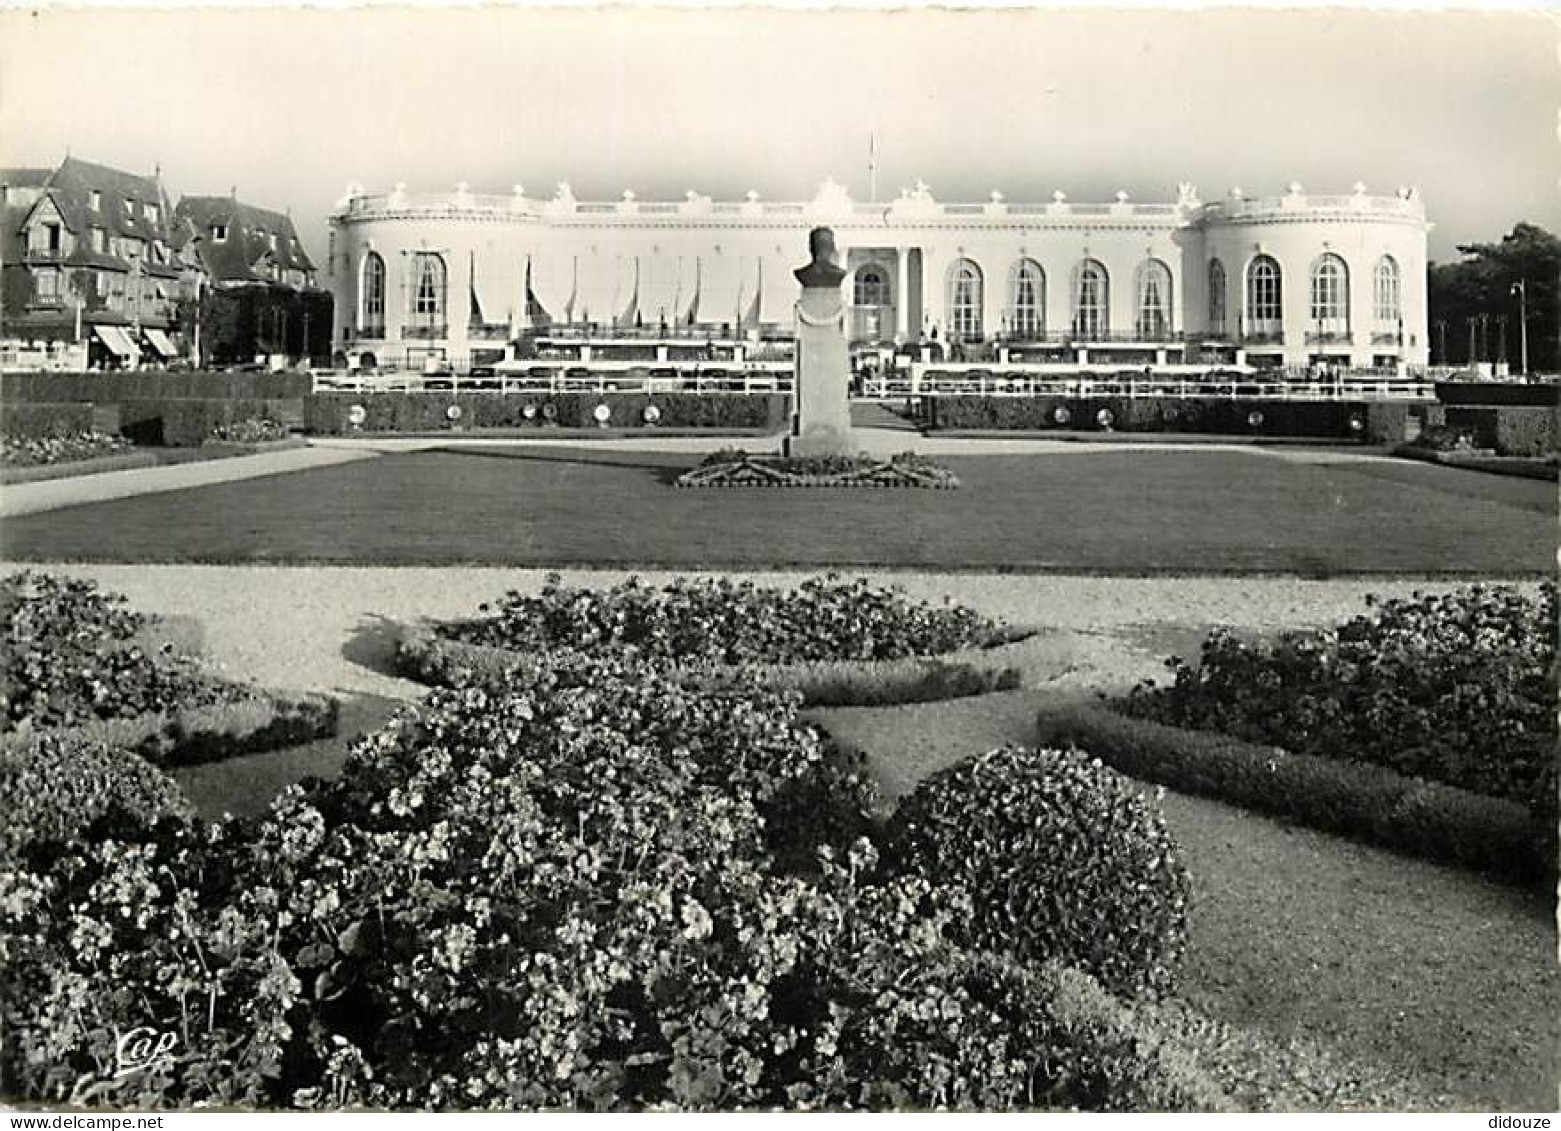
{"x": 1482, "y": 284}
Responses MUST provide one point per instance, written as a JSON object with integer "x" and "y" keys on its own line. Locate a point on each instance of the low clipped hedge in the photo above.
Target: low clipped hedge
{"x": 54, "y": 788}
{"x": 423, "y": 654}
{"x": 1508, "y": 430}
{"x": 1368, "y": 802}
{"x": 40, "y": 420}
{"x": 1224, "y": 416}
{"x": 327, "y": 413}
{"x": 112, "y": 388}
{"x": 187, "y": 422}
{"x": 211, "y": 733}
{"x": 1062, "y": 858}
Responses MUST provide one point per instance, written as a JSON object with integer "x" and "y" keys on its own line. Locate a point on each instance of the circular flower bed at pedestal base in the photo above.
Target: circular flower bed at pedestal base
{"x": 736, "y": 468}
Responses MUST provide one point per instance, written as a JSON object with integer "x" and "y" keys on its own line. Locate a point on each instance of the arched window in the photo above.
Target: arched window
{"x": 428, "y": 289}
{"x": 373, "y": 293}
{"x": 1330, "y": 294}
{"x": 1027, "y": 301}
{"x": 872, "y": 287}
{"x": 965, "y": 302}
{"x": 1216, "y": 296}
{"x": 1091, "y": 299}
{"x": 1385, "y": 291}
{"x": 1265, "y": 302}
{"x": 1154, "y": 300}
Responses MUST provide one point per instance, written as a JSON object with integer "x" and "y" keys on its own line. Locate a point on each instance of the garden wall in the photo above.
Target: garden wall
{"x": 327, "y": 413}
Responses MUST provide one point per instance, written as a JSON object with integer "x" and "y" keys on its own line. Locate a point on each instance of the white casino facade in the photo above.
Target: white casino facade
{"x": 1290, "y": 280}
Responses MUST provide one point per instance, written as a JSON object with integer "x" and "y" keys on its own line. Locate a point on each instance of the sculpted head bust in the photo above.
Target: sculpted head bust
{"x": 823, "y": 271}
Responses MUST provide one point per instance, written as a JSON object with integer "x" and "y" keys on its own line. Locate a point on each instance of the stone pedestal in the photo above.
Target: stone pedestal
{"x": 822, "y": 424}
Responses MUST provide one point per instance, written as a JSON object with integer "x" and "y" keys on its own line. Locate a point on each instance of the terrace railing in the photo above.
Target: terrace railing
{"x": 1174, "y": 382}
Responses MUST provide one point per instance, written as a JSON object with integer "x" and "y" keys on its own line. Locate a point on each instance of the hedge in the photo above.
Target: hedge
{"x": 326, "y": 413}
{"x": 1371, "y": 803}
{"x": 187, "y": 422}
{"x": 40, "y": 420}
{"x": 1153, "y": 414}
{"x": 425, "y": 656}
{"x": 1496, "y": 393}
{"x": 1509, "y": 431}
{"x": 202, "y": 734}
{"x": 111, "y": 388}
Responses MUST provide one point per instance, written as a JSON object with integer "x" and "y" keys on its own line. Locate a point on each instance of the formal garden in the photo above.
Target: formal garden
{"x": 629, "y": 849}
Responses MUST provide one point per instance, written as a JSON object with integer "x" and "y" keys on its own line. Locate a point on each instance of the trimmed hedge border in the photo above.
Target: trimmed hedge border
{"x": 204, "y": 734}
{"x": 189, "y": 422}
{"x": 1509, "y": 430}
{"x": 1370, "y": 803}
{"x": 1523, "y": 467}
{"x": 111, "y": 388}
{"x": 425, "y": 656}
{"x": 1219, "y": 415}
{"x": 1497, "y": 393}
{"x": 326, "y": 413}
{"x": 37, "y": 421}
{"x": 38, "y": 473}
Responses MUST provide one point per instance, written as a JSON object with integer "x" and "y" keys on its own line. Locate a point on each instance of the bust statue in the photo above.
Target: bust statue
{"x": 823, "y": 271}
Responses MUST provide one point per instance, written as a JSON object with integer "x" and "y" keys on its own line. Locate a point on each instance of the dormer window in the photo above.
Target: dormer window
{"x": 273, "y": 241}
{"x": 99, "y": 240}
{"x": 219, "y": 233}
{"x": 97, "y": 201}
{"x": 151, "y": 212}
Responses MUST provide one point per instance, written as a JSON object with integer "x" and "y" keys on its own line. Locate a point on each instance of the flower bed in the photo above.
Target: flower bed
{"x": 1456, "y": 689}
{"x": 250, "y": 430}
{"x": 836, "y": 642}
{"x": 81, "y": 663}
{"x": 592, "y": 890}
{"x": 737, "y": 468}
{"x": 1368, "y": 802}
{"x": 27, "y": 451}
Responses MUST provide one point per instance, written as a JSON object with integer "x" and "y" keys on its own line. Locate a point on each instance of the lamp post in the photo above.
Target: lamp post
{"x": 1473, "y": 321}
{"x": 1441, "y": 334}
{"x": 1501, "y": 338}
{"x": 1520, "y": 288}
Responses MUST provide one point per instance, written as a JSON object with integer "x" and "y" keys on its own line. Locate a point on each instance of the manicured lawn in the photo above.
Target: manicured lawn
{"x": 1130, "y": 512}
{"x": 1404, "y": 968}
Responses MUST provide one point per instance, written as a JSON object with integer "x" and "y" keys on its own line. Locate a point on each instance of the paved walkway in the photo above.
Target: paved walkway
{"x": 51, "y": 494}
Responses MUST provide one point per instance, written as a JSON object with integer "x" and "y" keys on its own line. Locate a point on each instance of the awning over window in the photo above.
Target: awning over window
{"x": 161, "y": 344}
{"x": 116, "y": 340}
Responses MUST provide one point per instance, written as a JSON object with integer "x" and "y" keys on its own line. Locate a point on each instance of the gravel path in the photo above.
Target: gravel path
{"x": 328, "y": 628}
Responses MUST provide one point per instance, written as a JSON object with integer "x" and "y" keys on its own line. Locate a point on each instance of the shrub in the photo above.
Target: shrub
{"x": 36, "y": 452}
{"x": 186, "y": 422}
{"x": 326, "y": 413}
{"x": 45, "y": 421}
{"x": 1062, "y": 858}
{"x": 714, "y": 622}
{"x": 54, "y": 789}
{"x": 73, "y": 654}
{"x": 113, "y": 388}
{"x": 1365, "y": 801}
{"x": 558, "y": 896}
{"x": 1455, "y": 688}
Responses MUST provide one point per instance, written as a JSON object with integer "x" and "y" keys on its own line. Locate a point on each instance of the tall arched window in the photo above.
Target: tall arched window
{"x": 965, "y": 302}
{"x": 872, "y": 287}
{"x": 372, "y": 319}
{"x": 428, "y": 289}
{"x": 1091, "y": 299}
{"x": 1385, "y": 291}
{"x": 1331, "y": 294}
{"x": 1154, "y": 300}
{"x": 1216, "y": 297}
{"x": 870, "y": 299}
{"x": 1027, "y": 301}
{"x": 1265, "y": 297}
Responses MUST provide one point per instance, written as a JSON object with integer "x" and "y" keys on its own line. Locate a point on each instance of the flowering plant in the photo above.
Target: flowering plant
{"x": 31, "y": 451}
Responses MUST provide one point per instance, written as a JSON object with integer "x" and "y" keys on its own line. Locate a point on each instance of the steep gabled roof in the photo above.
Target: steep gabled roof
{"x": 74, "y": 182}
{"x": 249, "y": 232}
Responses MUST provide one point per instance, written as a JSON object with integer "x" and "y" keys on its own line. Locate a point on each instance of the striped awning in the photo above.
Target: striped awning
{"x": 161, "y": 344}
{"x": 116, "y": 340}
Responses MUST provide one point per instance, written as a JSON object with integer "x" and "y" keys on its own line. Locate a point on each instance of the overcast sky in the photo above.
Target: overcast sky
{"x": 289, "y": 106}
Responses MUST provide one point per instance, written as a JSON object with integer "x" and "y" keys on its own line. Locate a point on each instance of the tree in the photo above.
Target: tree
{"x": 1482, "y": 284}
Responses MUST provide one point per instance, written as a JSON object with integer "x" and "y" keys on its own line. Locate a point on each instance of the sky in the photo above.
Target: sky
{"x": 289, "y": 106}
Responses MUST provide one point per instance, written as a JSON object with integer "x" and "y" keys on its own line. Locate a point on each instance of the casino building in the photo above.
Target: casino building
{"x": 1292, "y": 280}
